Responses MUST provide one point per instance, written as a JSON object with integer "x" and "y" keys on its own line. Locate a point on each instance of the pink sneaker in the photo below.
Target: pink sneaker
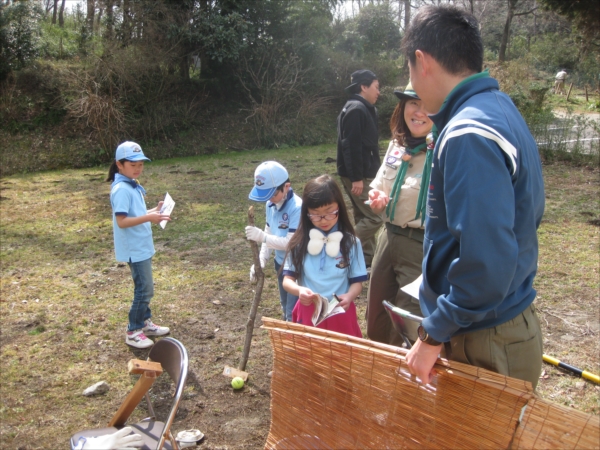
{"x": 151, "y": 329}
{"x": 138, "y": 339}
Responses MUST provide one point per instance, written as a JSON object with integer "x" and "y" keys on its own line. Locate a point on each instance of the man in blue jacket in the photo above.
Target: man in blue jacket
{"x": 485, "y": 203}
{"x": 358, "y": 155}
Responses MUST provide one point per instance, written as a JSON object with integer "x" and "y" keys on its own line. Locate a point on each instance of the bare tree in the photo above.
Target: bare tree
{"x": 61, "y": 15}
{"x": 510, "y": 14}
{"x": 54, "y": 12}
{"x": 91, "y": 9}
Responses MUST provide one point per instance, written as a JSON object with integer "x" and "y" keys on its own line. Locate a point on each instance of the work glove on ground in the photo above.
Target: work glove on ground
{"x": 122, "y": 439}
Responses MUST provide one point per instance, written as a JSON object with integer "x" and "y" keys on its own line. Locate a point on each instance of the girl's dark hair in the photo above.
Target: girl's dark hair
{"x": 320, "y": 191}
{"x": 398, "y": 125}
{"x": 113, "y": 170}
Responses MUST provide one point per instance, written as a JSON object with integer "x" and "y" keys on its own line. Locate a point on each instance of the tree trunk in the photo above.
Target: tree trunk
{"x": 406, "y": 14}
{"x": 406, "y": 24}
{"x": 108, "y": 32}
{"x": 91, "y": 9}
{"x": 61, "y": 15}
{"x": 55, "y": 12}
{"x": 98, "y": 18}
{"x": 126, "y": 22}
{"x": 512, "y": 4}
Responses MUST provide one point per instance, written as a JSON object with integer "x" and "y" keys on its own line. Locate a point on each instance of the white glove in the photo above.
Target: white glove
{"x": 255, "y": 234}
{"x": 122, "y": 439}
{"x": 253, "y": 278}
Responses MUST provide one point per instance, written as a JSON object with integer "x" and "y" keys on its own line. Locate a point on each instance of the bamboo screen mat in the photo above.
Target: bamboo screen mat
{"x": 332, "y": 391}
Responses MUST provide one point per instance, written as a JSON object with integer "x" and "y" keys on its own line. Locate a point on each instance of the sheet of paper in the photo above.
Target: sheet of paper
{"x": 412, "y": 289}
{"x": 167, "y": 208}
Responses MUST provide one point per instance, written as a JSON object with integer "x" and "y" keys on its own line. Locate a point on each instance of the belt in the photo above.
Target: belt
{"x": 412, "y": 233}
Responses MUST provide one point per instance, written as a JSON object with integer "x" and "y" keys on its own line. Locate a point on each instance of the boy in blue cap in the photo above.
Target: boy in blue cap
{"x": 272, "y": 185}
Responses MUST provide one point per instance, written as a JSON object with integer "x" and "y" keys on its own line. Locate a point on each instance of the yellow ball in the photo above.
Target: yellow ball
{"x": 237, "y": 383}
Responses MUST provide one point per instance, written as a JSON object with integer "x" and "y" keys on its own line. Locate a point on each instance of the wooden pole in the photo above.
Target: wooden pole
{"x": 570, "y": 87}
{"x": 586, "y": 94}
{"x": 260, "y": 276}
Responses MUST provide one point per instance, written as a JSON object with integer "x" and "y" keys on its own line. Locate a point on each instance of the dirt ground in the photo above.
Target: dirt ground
{"x": 64, "y": 299}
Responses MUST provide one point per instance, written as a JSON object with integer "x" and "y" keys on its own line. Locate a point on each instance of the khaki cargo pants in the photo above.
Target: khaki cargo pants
{"x": 513, "y": 348}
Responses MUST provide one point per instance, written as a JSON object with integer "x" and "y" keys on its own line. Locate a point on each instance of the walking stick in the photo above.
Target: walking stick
{"x": 260, "y": 276}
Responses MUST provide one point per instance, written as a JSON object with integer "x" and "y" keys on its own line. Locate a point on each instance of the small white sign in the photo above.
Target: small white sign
{"x": 167, "y": 208}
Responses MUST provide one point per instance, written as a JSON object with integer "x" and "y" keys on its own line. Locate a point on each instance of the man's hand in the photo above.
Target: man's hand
{"x": 421, "y": 358}
{"x": 255, "y": 234}
{"x": 357, "y": 187}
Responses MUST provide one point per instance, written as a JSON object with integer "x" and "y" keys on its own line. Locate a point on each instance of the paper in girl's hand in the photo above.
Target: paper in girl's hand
{"x": 167, "y": 207}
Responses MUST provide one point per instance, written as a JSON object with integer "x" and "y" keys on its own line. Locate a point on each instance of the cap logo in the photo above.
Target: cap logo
{"x": 259, "y": 182}
{"x": 137, "y": 149}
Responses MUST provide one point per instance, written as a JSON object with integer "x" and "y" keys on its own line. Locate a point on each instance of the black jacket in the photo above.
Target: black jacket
{"x": 357, "y": 149}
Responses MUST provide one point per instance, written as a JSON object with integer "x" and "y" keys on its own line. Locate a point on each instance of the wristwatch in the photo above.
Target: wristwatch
{"x": 425, "y": 337}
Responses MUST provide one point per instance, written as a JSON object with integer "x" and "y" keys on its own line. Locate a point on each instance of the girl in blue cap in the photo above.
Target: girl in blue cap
{"x": 324, "y": 257}
{"x": 133, "y": 239}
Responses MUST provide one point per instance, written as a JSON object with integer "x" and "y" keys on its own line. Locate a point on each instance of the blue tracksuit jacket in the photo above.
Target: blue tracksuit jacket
{"x": 485, "y": 203}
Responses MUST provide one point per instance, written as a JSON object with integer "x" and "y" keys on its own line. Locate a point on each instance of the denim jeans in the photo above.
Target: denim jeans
{"x": 287, "y": 300}
{"x": 143, "y": 291}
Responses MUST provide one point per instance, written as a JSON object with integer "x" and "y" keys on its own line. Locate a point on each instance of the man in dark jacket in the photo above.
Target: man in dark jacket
{"x": 358, "y": 154}
{"x": 485, "y": 203}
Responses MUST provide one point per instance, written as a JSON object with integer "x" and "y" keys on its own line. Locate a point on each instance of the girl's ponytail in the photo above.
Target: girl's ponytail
{"x": 112, "y": 171}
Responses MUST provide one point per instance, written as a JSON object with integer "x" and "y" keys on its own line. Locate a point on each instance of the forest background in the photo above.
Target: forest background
{"x": 184, "y": 77}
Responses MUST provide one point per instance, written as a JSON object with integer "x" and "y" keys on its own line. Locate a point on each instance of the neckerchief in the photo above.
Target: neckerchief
{"x": 133, "y": 183}
{"x": 390, "y": 209}
{"x": 422, "y": 200}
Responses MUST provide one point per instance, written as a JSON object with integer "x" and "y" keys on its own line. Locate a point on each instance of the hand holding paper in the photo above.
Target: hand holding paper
{"x": 167, "y": 207}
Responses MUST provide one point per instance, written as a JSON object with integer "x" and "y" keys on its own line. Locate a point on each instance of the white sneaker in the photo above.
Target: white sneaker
{"x": 151, "y": 329}
{"x": 138, "y": 339}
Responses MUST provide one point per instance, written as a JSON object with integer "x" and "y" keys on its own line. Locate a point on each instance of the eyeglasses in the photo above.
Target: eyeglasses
{"x": 318, "y": 218}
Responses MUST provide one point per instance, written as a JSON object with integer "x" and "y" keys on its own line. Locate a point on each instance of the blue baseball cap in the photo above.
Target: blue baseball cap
{"x": 267, "y": 178}
{"x": 131, "y": 152}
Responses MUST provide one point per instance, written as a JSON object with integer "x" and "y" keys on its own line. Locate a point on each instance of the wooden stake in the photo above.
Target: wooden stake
{"x": 570, "y": 87}
{"x": 586, "y": 94}
{"x": 260, "y": 276}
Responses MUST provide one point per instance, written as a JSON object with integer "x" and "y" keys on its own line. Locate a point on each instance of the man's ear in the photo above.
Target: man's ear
{"x": 423, "y": 62}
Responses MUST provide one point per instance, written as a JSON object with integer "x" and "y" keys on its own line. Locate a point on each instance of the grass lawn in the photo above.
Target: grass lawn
{"x": 64, "y": 299}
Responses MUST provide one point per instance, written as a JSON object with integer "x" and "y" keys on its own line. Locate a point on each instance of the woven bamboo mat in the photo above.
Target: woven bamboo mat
{"x": 332, "y": 391}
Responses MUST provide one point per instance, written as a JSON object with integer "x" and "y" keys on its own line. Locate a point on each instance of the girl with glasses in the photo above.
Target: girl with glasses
{"x": 324, "y": 257}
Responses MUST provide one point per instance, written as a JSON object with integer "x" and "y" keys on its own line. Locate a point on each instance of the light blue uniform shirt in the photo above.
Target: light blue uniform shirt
{"x": 285, "y": 220}
{"x": 325, "y": 275}
{"x": 133, "y": 244}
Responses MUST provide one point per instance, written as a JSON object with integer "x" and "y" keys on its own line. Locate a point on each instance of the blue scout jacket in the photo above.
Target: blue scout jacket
{"x": 485, "y": 203}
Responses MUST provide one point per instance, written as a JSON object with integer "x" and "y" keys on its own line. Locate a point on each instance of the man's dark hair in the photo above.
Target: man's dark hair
{"x": 450, "y": 35}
